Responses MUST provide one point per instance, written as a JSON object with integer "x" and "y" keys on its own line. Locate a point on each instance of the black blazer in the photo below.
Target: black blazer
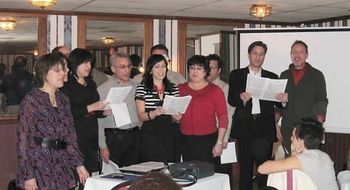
{"x": 242, "y": 115}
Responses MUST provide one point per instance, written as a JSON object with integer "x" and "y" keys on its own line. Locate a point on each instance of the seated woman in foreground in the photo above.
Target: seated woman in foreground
{"x": 306, "y": 138}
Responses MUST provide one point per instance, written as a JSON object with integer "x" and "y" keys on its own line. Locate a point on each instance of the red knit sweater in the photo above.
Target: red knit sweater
{"x": 206, "y": 103}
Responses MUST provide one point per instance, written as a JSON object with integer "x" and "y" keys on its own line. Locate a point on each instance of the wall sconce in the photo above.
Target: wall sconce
{"x": 260, "y": 10}
{"x": 8, "y": 24}
{"x": 36, "y": 52}
{"x": 107, "y": 40}
{"x": 42, "y": 3}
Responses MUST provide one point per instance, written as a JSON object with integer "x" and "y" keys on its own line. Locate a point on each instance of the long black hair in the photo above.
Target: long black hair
{"x": 148, "y": 77}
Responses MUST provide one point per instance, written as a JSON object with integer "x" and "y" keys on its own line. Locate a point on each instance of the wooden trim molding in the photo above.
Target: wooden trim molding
{"x": 81, "y": 32}
{"x": 148, "y": 38}
{"x": 181, "y": 56}
{"x": 42, "y": 35}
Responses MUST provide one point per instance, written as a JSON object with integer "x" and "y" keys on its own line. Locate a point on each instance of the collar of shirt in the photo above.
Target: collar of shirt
{"x": 258, "y": 74}
{"x": 120, "y": 84}
{"x": 298, "y": 74}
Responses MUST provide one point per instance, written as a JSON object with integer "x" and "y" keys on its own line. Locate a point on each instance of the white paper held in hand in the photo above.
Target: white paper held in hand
{"x": 116, "y": 95}
{"x": 265, "y": 88}
{"x": 174, "y": 105}
{"x": 115, "y": 99}
{"x": 109, "y": 168}
{"x": 121, "y": 114}
{"x": 229, "y": 154}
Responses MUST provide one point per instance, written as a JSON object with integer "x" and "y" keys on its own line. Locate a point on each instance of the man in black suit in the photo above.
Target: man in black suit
{"x": 253, "y": 121}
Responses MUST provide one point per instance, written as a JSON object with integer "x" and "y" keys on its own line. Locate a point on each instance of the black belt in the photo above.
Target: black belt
{"x": 56, "y": 144}
{"x": 255, "y": 116}
{"x": 116, "y": 130}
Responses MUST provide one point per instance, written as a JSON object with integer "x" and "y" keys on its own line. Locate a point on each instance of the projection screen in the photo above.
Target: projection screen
{"x": 329, "y": 52}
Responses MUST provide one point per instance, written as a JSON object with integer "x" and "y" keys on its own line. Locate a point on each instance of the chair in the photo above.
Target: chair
{"x": 300, "y": 181}
{"x": 344, "y": 180}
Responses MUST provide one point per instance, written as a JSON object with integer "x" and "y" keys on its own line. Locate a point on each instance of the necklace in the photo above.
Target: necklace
{"x": 159, "y": 90}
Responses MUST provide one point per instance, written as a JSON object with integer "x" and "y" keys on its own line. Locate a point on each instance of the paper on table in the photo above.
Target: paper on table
{"x": 121, "y": 114}
{"x": 143, "y": 167}
{"x": 109, "y": 168}
{"x": 265, "y": 88}
{"x": 173, "y": 105}
{"x": 229, "y": 154}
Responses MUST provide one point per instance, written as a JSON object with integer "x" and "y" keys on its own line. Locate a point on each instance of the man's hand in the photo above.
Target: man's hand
{"x": 104, "y": 152}
{"x": 245, "y": 97}
{"x": 282, "y": 97}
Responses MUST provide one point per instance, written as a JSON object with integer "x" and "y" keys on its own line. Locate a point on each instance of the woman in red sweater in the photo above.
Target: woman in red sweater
{"x": 201, "y": 139}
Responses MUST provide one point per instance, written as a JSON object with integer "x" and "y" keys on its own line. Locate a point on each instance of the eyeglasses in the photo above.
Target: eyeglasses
{"x": 59, "y": 69}
{"x": 124, "y": 66}
{"x": 213, "y": 67}
{"x": 196, "y": 68}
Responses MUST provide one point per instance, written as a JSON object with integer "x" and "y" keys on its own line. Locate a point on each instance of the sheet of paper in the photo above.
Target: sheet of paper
{"x": 173, "y": 105}
{"x": 121, "y": 114}
{"x": 109, "y": 168}
{"x": 264, "y": 88}
{"x": 144, "y": 167}
{"x": 117, "y": 95}
{"x": 229, "y": 154}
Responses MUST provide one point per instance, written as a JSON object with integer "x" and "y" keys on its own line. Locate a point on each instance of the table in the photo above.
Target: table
{"x": 217, "y": 182}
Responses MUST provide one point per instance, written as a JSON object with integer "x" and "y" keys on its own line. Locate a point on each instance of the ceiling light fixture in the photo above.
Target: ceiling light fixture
{"x": 260, "y": 10}
{"x": 108, "y": 40}
{"x": 7, "y": 24}
{"x": 42, "y": 3}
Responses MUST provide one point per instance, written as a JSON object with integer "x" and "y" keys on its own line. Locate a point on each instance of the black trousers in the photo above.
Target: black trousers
{"x": 123, "y": 146}
{"x": 250, "y": 151}
{"x": 199, "y": 148}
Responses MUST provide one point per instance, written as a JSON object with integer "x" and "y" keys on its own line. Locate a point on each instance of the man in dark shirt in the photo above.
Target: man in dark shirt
{"x": 305, "y": 95}
{"x": 16, "y": 84}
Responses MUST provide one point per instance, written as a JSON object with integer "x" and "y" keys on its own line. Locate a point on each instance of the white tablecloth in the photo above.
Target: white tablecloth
{"x": 217, "y": 182}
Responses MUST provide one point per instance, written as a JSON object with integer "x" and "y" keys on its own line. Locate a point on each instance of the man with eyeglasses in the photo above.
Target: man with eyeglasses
{"x": 173, "y": 76}
{"x": 119, "y": 144}
{"x": 215, "y": 64}
{"x": 254, "y": 119}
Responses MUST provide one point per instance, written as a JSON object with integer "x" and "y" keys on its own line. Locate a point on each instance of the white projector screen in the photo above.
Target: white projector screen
{"x": 329, "y": 51}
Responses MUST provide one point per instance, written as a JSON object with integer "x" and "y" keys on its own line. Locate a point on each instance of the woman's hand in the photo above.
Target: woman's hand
{"x": 30, "y": 184}
{"x": 217, "y": 150}
{"x": 107, "y": 112}
{"x": 96, "y": 106}
{"x": 177, "y": 117}
{"x": 157, "y": 112}
{"x": 279, "y": 133}
{"x": 83, "y": 174}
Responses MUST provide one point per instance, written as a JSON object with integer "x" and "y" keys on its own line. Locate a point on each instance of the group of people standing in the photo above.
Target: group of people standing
{"x": 65, "y": 125}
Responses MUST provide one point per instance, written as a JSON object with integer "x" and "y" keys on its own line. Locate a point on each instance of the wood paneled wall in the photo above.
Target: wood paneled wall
{"x": 337, "y": 146}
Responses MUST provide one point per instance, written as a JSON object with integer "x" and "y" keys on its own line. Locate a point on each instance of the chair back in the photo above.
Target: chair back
{"x": 295, "y": 180}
